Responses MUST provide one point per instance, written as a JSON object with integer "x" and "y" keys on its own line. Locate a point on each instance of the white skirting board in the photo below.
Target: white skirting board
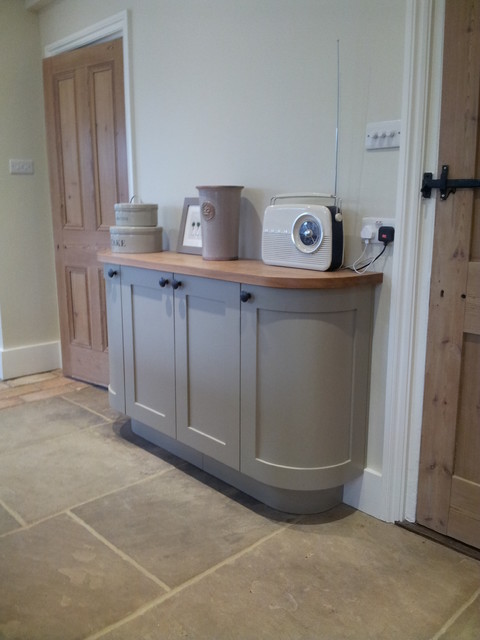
{"x": 366, "y": 493}
{"x": 29, "y": 359}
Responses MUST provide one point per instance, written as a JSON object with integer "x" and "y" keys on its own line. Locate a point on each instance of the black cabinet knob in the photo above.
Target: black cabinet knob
{"x": 112, "y": 273}
{"x": 245, "y": 296}
{"x": 176, "y": 284}
{"x": 163, "y": 282}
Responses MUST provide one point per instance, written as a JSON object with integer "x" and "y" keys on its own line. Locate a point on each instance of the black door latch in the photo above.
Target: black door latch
{"x": 445, "y": 185}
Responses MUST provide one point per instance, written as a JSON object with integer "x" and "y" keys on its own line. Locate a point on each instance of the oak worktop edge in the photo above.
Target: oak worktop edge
{"x": 253, "y": 272}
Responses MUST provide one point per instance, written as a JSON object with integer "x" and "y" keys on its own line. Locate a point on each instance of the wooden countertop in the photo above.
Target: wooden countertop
{"x": 253, "y": 272}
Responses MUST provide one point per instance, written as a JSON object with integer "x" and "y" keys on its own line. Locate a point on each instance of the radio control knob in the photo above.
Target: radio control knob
{"x": 339, "y": 217}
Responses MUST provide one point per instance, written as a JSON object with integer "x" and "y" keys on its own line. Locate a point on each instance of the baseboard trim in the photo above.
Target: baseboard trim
{"x": 30, "y": 359}
{"x": 366, "y": 494}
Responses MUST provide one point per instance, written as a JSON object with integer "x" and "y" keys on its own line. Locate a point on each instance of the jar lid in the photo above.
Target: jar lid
{"x": 218, "y": 186}
{"x": 135, "y": 230}
{"x": 134, "y": 206}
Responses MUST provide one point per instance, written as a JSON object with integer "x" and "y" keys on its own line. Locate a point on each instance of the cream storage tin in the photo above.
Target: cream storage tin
{"x": 128, "y": 214}
{"x": 136, "y": 239}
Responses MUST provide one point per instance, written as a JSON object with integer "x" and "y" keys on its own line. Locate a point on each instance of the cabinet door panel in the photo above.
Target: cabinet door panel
{"x": 305, "y": 364}
{"x": 148, "y": 325}
{"x": 207, "y": 347}
{"x": 113, "y": 298}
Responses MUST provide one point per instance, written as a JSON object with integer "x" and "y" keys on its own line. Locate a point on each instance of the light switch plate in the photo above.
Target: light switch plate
{"x": 21, "y": 166}
{"x": 383, "y": 135}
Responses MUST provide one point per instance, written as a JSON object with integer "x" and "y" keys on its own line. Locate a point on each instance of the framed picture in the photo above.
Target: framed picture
{"x": 190, "y": 235}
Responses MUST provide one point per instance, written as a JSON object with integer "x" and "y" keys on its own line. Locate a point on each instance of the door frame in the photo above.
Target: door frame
{"x": 412, "y": 262}
{"x": 390, "y": 493}
{"x": 116, "y": 26}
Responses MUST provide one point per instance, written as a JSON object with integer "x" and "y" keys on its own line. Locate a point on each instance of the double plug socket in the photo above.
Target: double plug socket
{"x": 371, "y": 227}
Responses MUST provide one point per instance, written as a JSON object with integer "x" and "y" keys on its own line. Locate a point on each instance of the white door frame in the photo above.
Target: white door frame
{"x": 391, "y": 494}
{"x": 412, "y": 257}
{"x": 116, "y": 26}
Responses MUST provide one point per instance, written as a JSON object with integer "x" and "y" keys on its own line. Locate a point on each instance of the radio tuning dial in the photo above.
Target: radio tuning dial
{"x": 307, "y": 233}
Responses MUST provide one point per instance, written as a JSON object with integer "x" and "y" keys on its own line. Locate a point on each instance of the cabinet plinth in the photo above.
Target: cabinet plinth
{"x": 263, "y": 386}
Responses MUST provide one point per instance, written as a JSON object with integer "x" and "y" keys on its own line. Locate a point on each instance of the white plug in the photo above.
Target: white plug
{"x": 367, "y": 233}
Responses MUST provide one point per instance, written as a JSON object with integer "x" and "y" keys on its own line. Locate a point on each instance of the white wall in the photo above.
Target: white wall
{"x": 222, "y": 91}
{"x": 244, "y": 92}
{"x": 29, "y": 333}
{"x": 230, "y": 91}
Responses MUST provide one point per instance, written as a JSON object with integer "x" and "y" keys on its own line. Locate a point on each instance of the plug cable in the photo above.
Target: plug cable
{"x": 356, "y": 264}
{"x": 363, "y": 268}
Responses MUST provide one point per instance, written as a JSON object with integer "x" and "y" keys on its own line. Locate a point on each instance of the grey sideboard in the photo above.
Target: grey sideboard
{"x": 257, "y": 374}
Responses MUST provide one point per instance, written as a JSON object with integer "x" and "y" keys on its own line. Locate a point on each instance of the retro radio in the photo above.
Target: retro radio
{"x": 306, "y": 236}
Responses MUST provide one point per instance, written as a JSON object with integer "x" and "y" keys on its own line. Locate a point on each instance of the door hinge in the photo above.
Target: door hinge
{"x": 445, "y": 185}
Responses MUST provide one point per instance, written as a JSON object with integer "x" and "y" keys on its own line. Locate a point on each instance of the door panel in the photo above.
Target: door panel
{"x": 148, "y": 328}
{"x": 101, "y": 83}
{"x": 303, "y": 421}
{"x": 472, "y": 303}
{"x": 85, "y": 117}
{"x": 79, "y": 312}
{"x": 99, "y": 281}
{"x": 113, "y": 297}
{"x": 468, "y": 428}
{"x": 68, "y": 152}
{"x": 207, "y": 367}
{"x": 449, "y": 476}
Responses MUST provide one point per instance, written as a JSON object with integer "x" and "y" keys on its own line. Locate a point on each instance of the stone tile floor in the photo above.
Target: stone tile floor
{"x": 105, "y": 536}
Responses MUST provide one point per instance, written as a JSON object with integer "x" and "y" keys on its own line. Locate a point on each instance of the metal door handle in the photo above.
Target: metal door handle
{"x": 163, "y": 282}
{"x": 112, "y": 273}
{"x": 445, "y": 185}
{"x": 176, "y": 284}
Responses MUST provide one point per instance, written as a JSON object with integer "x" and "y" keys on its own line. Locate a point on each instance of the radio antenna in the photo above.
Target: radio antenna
{"x": 333, "y": 196}
{"x": 337, "y": 118}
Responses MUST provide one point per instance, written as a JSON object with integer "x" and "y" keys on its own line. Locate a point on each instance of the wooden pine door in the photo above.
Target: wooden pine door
{"x": 449, "y": 474}
{"x": 85, "y": 119}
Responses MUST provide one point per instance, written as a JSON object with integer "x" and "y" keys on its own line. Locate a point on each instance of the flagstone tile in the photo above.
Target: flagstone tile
{"x": 61, "y": 583}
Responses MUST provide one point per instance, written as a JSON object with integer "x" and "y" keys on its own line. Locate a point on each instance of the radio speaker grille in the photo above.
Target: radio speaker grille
{"x": 278, "y": 248}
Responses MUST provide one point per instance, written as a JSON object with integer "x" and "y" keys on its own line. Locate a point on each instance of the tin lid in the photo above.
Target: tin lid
{"x": 135, "y": 230}
{"x": 135, "y": 206}
{"x": 217, "y": 187}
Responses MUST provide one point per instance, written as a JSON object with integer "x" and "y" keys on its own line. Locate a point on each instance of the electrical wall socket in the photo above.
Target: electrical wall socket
{"x": 370, "y": 227}
{"x": 21, "y": 166}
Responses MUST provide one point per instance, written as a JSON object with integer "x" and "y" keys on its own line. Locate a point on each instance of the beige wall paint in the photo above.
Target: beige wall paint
{"x": 28, "y": 307}
{"x": 229, "y": 91}
{"x": 243, "y": 92}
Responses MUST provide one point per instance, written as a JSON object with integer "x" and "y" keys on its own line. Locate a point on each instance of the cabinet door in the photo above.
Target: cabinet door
{"x": 305, "y": 372}
{"x": 113, "y": 291}
{"x": 207, "y": 347}
{"x": 148, "y": 326}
